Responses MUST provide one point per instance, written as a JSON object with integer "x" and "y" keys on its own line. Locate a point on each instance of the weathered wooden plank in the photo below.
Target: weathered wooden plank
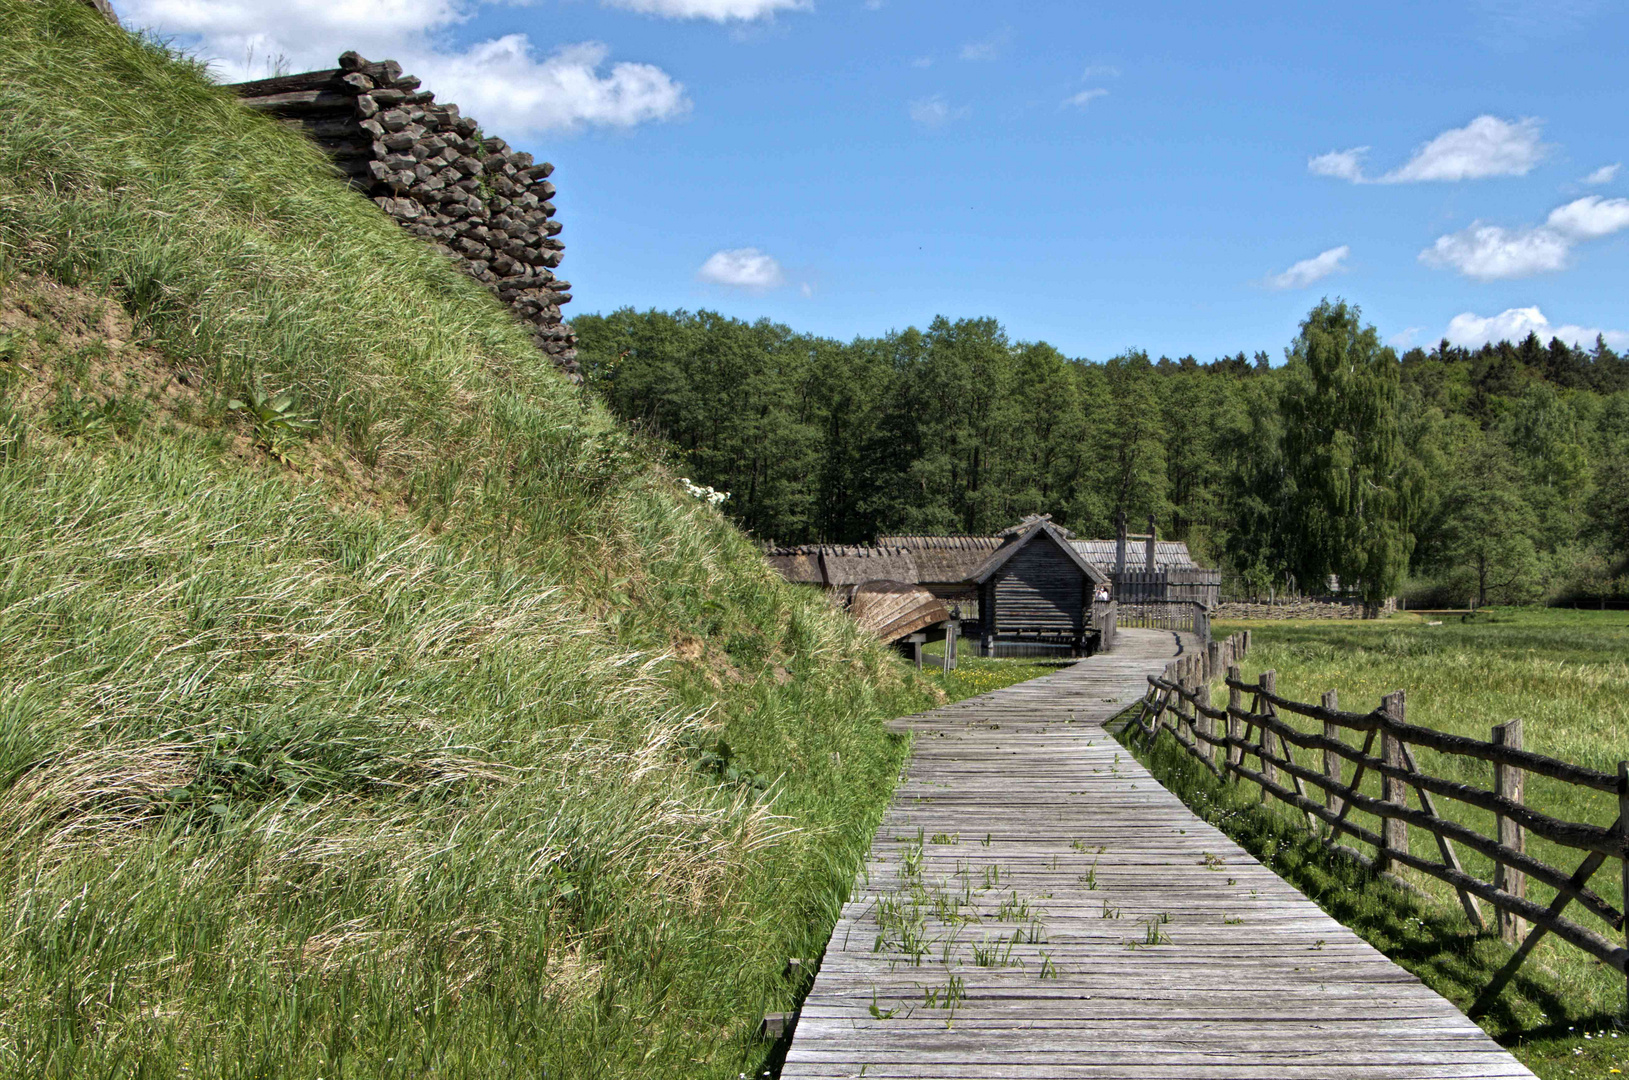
{"x": 1020, "y": 817}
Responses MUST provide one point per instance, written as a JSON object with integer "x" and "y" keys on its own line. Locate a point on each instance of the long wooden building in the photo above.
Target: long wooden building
{"x": 1032, "y": 583}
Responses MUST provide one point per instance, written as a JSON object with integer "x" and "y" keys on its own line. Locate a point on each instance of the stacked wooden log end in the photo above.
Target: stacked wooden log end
{"x": 104, "y": 9}
{"x": 437, "y": 173}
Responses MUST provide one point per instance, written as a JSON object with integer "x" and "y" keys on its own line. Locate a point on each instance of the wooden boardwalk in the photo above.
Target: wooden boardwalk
{"x": 1036, "y": 905}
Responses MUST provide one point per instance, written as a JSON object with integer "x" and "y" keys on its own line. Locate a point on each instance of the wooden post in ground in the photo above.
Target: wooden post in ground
{"x": 1213, "y": 660}
{"x": 1393, "y": 831}
{"x": 1269, "y": 683}
{"x": 1332, "y": 760}
{"x": 1623, "y": 846}
{"x": 1206, "y": 724}
{"x": 952, "y": 628}
{"x": 1235, "y": 727}
{"x": 1507, "y": 782}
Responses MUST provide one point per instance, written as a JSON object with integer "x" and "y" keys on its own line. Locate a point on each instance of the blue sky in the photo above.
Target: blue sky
{"x": 1177, "y": 177}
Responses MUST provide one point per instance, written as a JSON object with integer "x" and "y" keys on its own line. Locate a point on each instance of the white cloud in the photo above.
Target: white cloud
{"x": 989, "y": 48}
{"x": 935, "y": 112}
{"x": 1405, "y": 338}
{"x": 1604, "y": 175}
{"x": 1471, "y": 331}
{"x": 1590, "y": 218}
{"x": 1085, "y": 97}
{"x": 1487, "y": 146}
{"x": 1307, "y": 271}
{"x": 716, "y": 10}
{"x": 503, "y": 82}
{"x": 1341, "y": 164}
{"x": 508, "y": 89}
{"x": 922, "y": 62}
{"x": 1492, "y": 253}
{"x": 1100, "y": 71}
{"x": 742, "y": 268}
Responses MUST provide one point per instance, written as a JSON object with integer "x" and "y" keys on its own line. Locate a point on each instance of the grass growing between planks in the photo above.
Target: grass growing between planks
{"x": 421, "y": 726}
{"x": 1564, "y": 673}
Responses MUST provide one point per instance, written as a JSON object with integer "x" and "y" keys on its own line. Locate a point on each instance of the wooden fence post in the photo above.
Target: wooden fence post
{"x": 1213, "y": 660}
{"x": 1623, "y": 846}
{"x": 1393, "y": 832}
{"x": 1332, "y": 760}
{"x": 1206, "y": 724}
{"x": 1235, "y": 728}
{"x": 1507, "y": 782}
{"x": 1269, "y": 771}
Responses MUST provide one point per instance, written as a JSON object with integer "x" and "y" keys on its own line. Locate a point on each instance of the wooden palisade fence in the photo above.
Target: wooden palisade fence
{"x": 1225, "y": 739}
{"x": 1186, "y": 615}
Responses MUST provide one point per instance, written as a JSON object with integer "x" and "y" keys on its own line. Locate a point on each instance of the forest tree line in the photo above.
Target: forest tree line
{"x": 1499, "y": 474}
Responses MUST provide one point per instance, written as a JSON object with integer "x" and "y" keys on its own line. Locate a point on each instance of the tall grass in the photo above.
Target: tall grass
{"x": 1565, "y": 674}
{"x": 449, "y": 739}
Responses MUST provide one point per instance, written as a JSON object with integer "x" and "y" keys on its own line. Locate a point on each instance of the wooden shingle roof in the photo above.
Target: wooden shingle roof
{"x": 1038, "y": 528}
{"x": 1168, "y": 554}
{"x": 955, "y": 560}
{"x": 944, "y": 560}
{"x": 833, "y": 565}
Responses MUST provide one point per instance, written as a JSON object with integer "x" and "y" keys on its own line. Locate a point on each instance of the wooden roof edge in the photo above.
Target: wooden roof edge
{"x": 999, "y": 557}
{"x": 959, "y": 542}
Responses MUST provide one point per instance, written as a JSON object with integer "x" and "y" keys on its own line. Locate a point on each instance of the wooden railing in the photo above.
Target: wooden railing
{"x": 1189, "y": 615}
{"x": 1106, "y": 618}
{"x": 1225, "y": 739}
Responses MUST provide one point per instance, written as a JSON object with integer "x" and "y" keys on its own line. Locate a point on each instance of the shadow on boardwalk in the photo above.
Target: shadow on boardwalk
{"x": 1036, "y": 905}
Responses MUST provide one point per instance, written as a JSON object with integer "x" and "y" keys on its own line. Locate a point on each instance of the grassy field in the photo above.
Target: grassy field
{"x": 976, "y": 675}
{"x": 1566, "y": 674}
{"x": 421, "y": 726}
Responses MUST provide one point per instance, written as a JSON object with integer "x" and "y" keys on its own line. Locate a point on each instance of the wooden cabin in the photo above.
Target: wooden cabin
{"x": 1029, "y": 587}
{"x": 1036, "y": 585}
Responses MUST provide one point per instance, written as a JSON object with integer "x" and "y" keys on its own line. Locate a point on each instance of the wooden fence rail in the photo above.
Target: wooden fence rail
{"x": 1181, "y": 615}
{"x": 1225, "y": 739}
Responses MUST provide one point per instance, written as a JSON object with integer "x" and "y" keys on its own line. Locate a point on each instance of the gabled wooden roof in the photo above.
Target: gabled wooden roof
{"x": 1015, "y": 544}
{"x": 1168, "y": 554}
{"x": 955, "y": 560}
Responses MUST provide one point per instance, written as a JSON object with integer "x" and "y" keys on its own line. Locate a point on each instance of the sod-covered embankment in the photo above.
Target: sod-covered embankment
{"x": 404, "y": 720}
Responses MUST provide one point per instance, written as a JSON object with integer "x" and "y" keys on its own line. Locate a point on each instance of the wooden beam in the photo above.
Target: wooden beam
{"x": 1507, "y": 784}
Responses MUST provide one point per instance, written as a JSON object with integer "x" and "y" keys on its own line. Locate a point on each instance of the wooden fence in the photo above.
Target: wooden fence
{"x": 1185, "y": 615}
{"x": 1106, "y": 619}
{"x": 1225, "y": 739}
{"x": 1189, "y": 584}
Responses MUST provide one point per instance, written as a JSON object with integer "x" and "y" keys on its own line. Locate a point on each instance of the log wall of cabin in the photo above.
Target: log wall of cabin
{"x": 1039, "y": 589}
